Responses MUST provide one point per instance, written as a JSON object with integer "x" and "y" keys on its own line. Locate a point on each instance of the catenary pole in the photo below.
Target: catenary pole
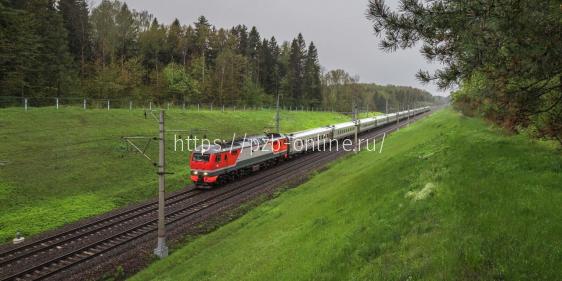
{"x": 386, "y": 106}
{"x": 356, "y": 123}
{"x": 277, "y": 115}
{"x": 161, "y": 249}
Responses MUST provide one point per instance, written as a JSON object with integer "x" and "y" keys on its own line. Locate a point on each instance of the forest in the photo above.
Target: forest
{"x": 502, "y": 58}
{"x": 65, "y": 48}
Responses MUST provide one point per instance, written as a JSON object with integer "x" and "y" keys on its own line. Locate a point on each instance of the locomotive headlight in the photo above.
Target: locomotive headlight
{"x": 195, "y": 172}
{"x": 205, "y": 173}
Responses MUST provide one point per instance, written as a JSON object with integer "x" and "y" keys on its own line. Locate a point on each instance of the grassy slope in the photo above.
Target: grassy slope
{"x": 69, "y": 164}
{"x": 494, "y": 214}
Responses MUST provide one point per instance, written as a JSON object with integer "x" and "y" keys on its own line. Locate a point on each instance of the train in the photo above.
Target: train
{"x": 218, "y": 163}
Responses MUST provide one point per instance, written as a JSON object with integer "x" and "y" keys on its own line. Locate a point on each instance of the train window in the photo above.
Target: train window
{"x": 225, "y": 157}
{"x": 200, "y": 157}
{"x": 218, "y": 158}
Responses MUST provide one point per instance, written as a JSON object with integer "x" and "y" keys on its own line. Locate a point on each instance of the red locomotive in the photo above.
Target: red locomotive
{"x": 218, "y": 163}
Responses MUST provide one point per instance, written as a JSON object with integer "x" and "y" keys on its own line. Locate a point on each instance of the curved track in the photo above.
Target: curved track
{"x": 49, "y": 256}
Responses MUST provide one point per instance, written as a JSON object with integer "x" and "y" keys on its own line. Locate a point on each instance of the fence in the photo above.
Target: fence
{"x": 27, "y": 103}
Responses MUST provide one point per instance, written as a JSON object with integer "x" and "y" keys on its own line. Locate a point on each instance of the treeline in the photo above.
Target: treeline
{"x": 60, "y": 48}
{"x": 505, "y": 55}
{"x": 344, "y": 93}
{"x": 64, "y": 48}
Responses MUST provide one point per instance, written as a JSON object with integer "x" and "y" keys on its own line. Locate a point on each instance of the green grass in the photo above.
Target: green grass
{"x": 449, "y": 198}
{"x": 69, "y": 164}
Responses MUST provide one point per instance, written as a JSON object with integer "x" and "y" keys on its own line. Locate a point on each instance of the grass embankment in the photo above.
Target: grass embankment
{"x": 449, "y": 198}
{"x": 60, "y": 166}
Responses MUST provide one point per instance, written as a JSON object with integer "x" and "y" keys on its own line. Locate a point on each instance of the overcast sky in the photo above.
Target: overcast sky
{"x": 339, "y": 29}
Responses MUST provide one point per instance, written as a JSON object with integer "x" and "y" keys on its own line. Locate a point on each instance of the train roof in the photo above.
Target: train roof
{"x": 344, "y": 125}
{"x": 213, "y": 148}
{"x": 246, "y": 141}
{"x": 368, "y": 119}
{"x": 314, "y": 131}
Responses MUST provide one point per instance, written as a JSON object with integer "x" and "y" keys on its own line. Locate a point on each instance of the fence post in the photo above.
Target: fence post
{"x": 150, "y": 105}
{"x": 183, "y": 105}
{"x": 130, "y": 105}
{"x": 84, "y": 104}
{"x": 223, "y": 108}
{"x": 57, "y": 103}
{"x": 197, "y": 107}
{"x": 168, "y": 106}
{"x": 107, "y": 104}
{"x": 211, "y": 107}
{"x": 244, "y": 107}
{"x": 234, "y": 109}
{"x": 25, "y": 102}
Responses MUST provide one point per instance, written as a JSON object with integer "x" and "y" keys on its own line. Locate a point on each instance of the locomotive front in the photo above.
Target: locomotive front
{"x": 205, "y": 164}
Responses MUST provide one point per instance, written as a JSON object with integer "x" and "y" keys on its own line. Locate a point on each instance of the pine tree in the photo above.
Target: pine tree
{"x": 187, "y": 44}
{"x": 127, "y": 29}
{"x": 242, "y": 33}
{"x": 312, "y": 87}
{"x": 505, "y": 55}
{"x": 54, "y": 75}
{"x": 202, "y": 31}
{"x": 152, "y": 44}
{"x": 295, "y": 75}
{"x": 77, "y": 24}
{"x": 264, "y": 64}
{"x": 174, "y": 42}
{"x": 269, "y": 55}
{"x": 104, "y": 31}
{"x": 252, "y": 52}
{"x": 19, "y": 50}
{"x": 253, "y": 43}
{"x": 276, "y": 67}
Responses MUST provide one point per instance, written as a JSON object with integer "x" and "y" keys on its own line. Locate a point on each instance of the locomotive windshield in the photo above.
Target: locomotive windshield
{"x": 200, "y": 157}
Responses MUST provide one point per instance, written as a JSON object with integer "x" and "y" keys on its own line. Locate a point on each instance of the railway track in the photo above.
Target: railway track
{"x": 54, "y": 254}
